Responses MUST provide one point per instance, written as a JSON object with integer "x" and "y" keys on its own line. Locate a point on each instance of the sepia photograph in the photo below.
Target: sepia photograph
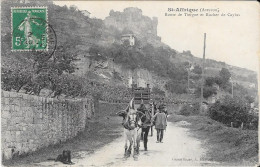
{"x": 129, "y": 83}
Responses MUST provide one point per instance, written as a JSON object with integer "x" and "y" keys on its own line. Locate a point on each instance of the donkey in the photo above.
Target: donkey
{"x": 132, "y": 128}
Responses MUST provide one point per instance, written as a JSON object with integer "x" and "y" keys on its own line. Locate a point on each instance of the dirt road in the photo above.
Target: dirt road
{"x": 178, "y": 149}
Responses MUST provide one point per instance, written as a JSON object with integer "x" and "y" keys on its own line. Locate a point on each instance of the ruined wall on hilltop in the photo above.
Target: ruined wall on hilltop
{"x": 133, "y": 20}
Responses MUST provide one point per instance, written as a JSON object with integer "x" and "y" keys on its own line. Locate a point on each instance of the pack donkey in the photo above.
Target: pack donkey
{"x": 132, "y": 128}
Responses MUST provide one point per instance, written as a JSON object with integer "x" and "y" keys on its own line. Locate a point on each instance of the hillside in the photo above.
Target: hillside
{"x": 97, "y": 54}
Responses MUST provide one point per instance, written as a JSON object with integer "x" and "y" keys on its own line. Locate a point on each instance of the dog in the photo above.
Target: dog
{"x": 65, "y": 157}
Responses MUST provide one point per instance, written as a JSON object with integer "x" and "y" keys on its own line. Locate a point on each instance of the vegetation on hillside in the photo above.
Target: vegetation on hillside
{"x": 32, "y": 72}
{"x": 76, "y": 35}
{"x": 223, "y": 82}
{"x": 190, "y": 109}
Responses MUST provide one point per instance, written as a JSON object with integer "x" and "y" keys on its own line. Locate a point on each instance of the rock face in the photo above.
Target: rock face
{"x": 132, "y": 20}
{"x": 141, "y": 77}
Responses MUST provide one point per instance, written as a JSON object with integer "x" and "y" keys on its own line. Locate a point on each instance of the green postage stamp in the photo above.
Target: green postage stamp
{"x": 29, "y": 28}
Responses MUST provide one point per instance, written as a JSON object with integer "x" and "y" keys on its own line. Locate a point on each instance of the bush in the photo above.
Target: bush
{"x": 185, "y": 110}
{"x": 176, "y": 87}
{"x": 224, "y": 75}
{"x": 196, "y": 108}
{"x": 209, "y": 81}
{"x": 207, "y": 91}
{"x": 229, "y": 110}
{"x": 190, "y": 109}
{"x": 197, "y": 70}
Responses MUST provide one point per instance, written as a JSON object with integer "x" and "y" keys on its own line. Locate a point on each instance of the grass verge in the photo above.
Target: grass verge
{"x": 223, "y": 144}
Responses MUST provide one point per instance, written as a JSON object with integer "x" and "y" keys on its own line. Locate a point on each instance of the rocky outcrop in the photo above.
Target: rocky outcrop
{"x": 139, "y": 76}
{"x": 132, "y": 20}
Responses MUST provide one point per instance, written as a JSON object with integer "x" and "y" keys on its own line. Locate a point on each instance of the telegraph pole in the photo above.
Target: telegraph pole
{"x": 189, "y": 80}
{"x": 232, "y": 90}
{"x": 188, "y": 71}
{"x": 202, "y": 80}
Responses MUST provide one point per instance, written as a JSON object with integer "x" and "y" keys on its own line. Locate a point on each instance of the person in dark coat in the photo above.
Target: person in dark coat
{"x": 146, "y": 123}
{"x": 160, "y": 121}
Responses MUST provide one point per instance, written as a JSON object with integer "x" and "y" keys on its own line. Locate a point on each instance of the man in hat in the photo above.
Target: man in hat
{"x": 163, "y": 108}
{"x": 160, "y": 123}
{"x": 146, "y": 123}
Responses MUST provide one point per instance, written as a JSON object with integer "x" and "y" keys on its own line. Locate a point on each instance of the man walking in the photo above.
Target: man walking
{"x": 160, "y": 124}
{"x": 146, "y": 123}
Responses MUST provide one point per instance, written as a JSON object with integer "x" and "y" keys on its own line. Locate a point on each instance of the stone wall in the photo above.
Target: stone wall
{"x": 33, "y": 122}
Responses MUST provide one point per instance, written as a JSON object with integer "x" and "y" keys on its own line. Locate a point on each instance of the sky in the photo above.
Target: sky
{"x": 231, "y": 39}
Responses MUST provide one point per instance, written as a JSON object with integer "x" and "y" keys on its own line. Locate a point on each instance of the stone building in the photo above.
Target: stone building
{"x": 128, "y": 37}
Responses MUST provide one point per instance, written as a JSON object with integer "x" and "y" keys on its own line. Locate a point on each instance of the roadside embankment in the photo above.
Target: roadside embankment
{"x": 224, "y": 144}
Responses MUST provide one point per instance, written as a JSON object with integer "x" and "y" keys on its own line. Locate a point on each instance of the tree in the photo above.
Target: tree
{"x": 207, "y": 91}
{"x": 230, "y": 109}
{"x": 197, "y": 70}
{"x": 190, "y": 109}
{"x": 97, "y": 53}
{"x": 176, "y": 87}
{"x": 209, "y": 81}
{"x": 186, "y": 64}
{"x": 224, "y": 75}
{"x": 249, "y": 99}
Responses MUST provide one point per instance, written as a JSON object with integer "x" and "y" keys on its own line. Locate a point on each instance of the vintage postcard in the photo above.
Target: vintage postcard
{"x": 129, "y": 83}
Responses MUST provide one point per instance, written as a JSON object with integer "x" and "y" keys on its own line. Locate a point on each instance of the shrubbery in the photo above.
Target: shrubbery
{"x": 190, "y": 109}
{"x": 230, "y": 109}
{"x": 197, "y": 70}
{"x": 176, "y": 87}
{"x": 207, "y": 91}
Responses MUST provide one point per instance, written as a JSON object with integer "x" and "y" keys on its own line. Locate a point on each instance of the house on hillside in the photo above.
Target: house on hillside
{"x": 128, "y": 37}
{"x": 85, "y": 13}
